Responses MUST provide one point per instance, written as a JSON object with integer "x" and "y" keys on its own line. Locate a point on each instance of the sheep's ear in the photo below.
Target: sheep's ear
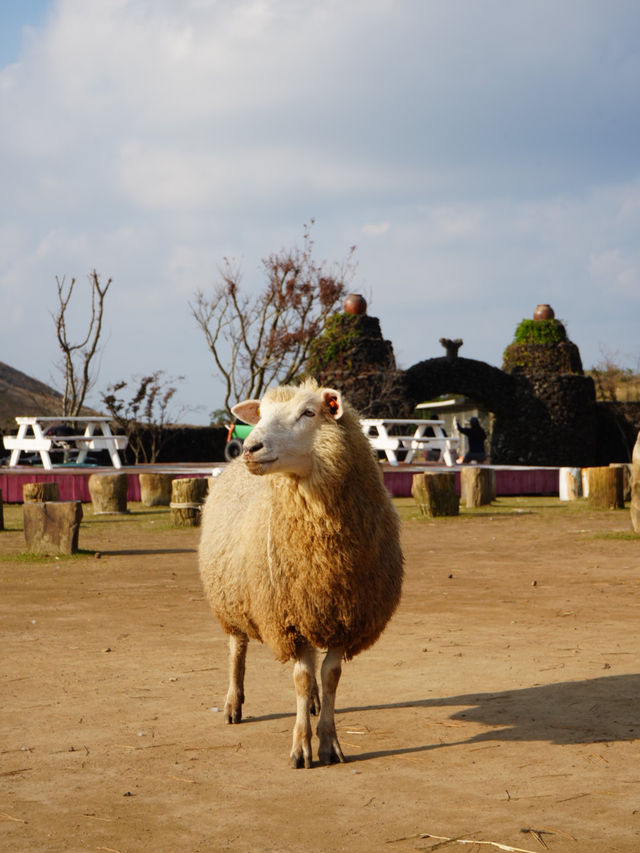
{"x": 332, "y": 401}
{"x": 247, "y": 411}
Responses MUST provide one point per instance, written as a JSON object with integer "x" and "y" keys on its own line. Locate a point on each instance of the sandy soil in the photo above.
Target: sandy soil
{"x": 501, "y": 705}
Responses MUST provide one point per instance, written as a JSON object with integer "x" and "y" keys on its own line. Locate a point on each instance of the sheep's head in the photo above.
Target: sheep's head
{"x": 289, "y": 424}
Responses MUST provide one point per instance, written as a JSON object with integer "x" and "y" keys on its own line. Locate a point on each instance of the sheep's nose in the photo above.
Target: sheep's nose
{"x": 254, "y": 448}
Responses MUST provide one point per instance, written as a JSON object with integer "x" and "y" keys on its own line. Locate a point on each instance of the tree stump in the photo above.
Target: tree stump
{"x": 155, "y": 489}
{"x": 626, "y": 478}
{"x": 606, "y": 488}
{"x": 569, "y": 484}
{"x": 108, "y": 493}
{"x": 36, "y": 492}
{"x": 477, "y": 486}
{"x": 52, "y": 528}
{"x": 435, "y": 494}
{"x": 635, "y": 486}
{"x": 187, "y": 497}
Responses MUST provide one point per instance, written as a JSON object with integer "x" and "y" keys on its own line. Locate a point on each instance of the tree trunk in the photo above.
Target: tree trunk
{"x": 635, "y": 486}
{"x": 34, "y": 492}
{"x": 477, "y": 485}
{"x": 606, "y": 488}
{"x": 52, "y": 527}
{"x": 108, "y": 493}
{"x": 187, "y": 497}
{"x": 569, "y": 484}
{"x": 626, "y": 478}
{"x": 435, "y": 494}
{"x": 155, "y": 489}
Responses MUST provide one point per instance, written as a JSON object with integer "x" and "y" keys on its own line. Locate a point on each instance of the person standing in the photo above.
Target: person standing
{"x": 475, "y": 437}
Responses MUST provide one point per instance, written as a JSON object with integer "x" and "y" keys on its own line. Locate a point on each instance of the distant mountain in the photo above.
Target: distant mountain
{"x": 22, "y": 395}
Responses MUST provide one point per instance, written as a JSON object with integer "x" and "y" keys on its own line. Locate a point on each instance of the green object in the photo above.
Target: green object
{"x": 540, "y": 332}
{"x": 241, "y": 431}
{"x": 336, "y": 344}
{"x": 541, "y": 346}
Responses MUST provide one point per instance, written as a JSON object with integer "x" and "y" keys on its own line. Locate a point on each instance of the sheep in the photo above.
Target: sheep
{"x": 300, "y": 549}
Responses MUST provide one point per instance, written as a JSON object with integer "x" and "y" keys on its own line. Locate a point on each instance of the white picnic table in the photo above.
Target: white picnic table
{"x": 31, "y": 438}
{"x": 412, "y": 439}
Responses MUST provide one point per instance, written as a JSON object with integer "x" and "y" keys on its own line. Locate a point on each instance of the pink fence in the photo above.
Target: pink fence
{"x": 74, "y": 485}
{"x": 509, "y": 481}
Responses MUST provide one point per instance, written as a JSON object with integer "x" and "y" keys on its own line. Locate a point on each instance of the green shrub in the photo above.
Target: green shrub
{"x": 341, "y": 333}
{"x": 547, "y": 332}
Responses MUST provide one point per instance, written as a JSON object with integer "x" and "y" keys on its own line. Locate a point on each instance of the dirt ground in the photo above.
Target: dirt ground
{"x": 500, "y": 707}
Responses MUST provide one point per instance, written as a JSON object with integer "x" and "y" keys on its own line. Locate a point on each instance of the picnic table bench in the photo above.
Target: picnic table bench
{"x": 412, "y": 439}
{"x": 33, "y": 438}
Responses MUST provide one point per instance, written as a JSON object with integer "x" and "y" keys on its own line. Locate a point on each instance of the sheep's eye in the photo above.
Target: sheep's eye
{"x": 308, "y": 413}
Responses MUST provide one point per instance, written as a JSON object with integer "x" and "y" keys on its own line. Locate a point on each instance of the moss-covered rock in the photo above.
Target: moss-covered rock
{"x": 541, "y": 346}
{"x": 352, "y": 355}
{"x": 350, "y": 342}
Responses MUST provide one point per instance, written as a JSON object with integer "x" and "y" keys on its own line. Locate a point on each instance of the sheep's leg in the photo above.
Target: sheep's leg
{"x": 235, "y": 697}
{"x": 314, "y": 705}
{"x": 314, "y": 701}
{"x": 329, "y": 751}
{"x": 304, "y": 678}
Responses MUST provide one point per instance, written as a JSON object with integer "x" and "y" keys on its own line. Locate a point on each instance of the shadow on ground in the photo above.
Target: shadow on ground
{"x": 598, "y": 710}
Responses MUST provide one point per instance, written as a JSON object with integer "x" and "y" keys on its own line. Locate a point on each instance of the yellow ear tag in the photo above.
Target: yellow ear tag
{"x": 332, "y": 405}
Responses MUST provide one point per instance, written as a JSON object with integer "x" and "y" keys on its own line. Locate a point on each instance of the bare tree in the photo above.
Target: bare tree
{"x": 614, "y": 382}
{"x": 259, "y": 340}
{"x": 77, "y": 358}
{"x": 144, "y": 418}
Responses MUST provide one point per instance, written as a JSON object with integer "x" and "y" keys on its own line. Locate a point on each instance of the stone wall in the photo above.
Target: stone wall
{"x": 544, "y": 408}
{"x": 541, "y": 419}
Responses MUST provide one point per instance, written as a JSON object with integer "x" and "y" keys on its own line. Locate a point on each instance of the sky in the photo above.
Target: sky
{"x": 483, "y": 157}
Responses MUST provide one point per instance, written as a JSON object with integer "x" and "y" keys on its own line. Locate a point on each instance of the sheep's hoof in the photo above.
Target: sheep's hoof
{"x": 330, "y": 753}
{"x": 233, "y": 715}
{"x": 300, "y": 757}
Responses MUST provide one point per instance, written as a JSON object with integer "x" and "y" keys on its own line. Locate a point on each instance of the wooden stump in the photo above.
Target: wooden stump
{"x": 155, "y": 489}
{"x": 40, "y": 492}
{"x": 187, "y": 497}
{"x": 108, "y": 493}
{"x": 569, "y": 484}
{"x": 585, "y": 482}
{"x": 626, "y": 478}
{"x": 635, "y": 486}
{"x": 477, "y": 485}
{"x": 606, "y": 488}
{"x": 435, "y": 494}
{"x": 52, "y": 528}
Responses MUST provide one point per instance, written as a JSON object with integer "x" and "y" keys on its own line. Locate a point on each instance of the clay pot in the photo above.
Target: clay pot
{"x": 543, "y": 312}
{"x": 355, "y": 304}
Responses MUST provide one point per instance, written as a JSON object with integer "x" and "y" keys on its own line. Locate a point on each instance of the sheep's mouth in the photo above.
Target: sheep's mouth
{"x": 259, "y": 463}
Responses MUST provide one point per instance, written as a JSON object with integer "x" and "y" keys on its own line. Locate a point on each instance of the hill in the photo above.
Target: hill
{"x": 22, "y": 395}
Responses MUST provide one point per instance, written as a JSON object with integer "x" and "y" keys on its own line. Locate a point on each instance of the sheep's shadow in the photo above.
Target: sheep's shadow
{"x": 602, "y": 709}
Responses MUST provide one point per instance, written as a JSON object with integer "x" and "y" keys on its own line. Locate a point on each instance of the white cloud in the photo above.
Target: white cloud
{"x": 375, "y": 229}
{"x": 483, "y": 161}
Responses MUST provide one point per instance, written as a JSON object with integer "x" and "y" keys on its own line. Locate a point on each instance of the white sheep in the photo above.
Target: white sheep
{"x": 305, "y": 555}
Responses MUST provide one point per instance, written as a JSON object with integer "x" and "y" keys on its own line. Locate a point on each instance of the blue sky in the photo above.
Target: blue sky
{"x": 484, "y": 157}
{"x": 16, "y": 16}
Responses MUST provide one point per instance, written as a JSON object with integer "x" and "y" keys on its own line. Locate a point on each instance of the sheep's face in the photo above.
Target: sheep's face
{"x": 288, "y": 423}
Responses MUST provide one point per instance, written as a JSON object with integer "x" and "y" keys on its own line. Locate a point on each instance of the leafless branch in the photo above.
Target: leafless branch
{"x": 78, "y": 358}
{"x": 261, "y": 340}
